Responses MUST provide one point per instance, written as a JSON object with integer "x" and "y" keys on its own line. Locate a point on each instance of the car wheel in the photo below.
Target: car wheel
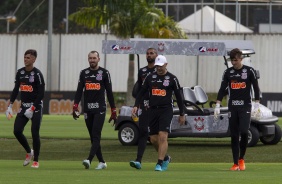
{"x": 253, "y": 136}
{"x": 128, "y": 134}
{"x": 272, "y": 139}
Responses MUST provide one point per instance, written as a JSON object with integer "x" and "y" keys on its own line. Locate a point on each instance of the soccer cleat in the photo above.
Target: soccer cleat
{"x": 86, "y": 164}
{"x": 242, "y": 166}
{"x": 135, "y": 164}
{"x": 101, "y": 165}
{"x": 35, "y": 164}
{"x": 28, "y": 158}
{"x": 165, "y": 163}
{"x": 158, "y": 168}
{"x": 235, "y": 167}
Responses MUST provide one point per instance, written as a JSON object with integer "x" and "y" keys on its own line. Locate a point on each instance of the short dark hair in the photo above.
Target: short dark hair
{"x": 31, "y": 52}
{"x": 93, "y": 52}
{"x": 235, "y": 53}
{"x": 155, "y": 50}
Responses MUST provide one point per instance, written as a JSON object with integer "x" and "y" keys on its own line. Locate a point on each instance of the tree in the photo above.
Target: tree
{"x": 125, "y": 20}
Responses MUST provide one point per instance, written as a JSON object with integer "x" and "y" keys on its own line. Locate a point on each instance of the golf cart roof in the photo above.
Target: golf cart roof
{"x": 177, "y": 46}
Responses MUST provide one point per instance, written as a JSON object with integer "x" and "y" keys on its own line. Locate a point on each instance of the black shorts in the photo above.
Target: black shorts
{"x": 239, "y": 120}
{"x": 160, "y": 120}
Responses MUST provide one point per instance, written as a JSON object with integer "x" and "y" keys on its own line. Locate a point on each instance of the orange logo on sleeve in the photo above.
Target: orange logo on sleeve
{"x": 238, "y": 85}
{"x": 92, "y": 86}
{"x": 26, "y": 88}
{"x": 159, "y": 92}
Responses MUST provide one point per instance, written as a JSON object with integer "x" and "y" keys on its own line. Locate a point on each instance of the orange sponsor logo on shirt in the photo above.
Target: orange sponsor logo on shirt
{"x": 159, "y": 92}
{"x": 92, "y": 86}
{"x": 238, "y": 85}
{"x": 26, "y": 88}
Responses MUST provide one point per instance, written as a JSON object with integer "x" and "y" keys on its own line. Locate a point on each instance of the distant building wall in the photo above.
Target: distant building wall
{"x": 69, "y": 57}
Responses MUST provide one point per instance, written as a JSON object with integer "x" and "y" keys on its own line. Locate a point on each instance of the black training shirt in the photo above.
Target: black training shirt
{"x": 142, "y": 74}
{"x": 161, "y": 88}
{"x": 239, "y": 83}
{"x": 32, "y": 87}
{"x": 94, "y": 83}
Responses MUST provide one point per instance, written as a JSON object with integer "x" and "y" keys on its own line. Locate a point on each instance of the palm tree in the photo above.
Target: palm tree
{"x": 127, "y": 18}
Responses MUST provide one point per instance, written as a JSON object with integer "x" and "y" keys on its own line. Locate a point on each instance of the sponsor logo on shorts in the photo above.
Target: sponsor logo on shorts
{"x": 237, "y": 102}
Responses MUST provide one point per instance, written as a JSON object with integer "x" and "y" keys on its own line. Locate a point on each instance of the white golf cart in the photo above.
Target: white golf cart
{"x": 200, "y": 121}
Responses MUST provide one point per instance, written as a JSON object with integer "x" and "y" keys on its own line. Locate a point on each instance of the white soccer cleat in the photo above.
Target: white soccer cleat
{"x": 86, "y": 164}
{"x": 35, "y": 165}
{"x": 101, "y": 165}
{"x": 28, "y": 158}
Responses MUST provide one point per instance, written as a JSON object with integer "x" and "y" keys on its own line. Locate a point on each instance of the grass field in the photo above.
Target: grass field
{"x": 65, "y": 144}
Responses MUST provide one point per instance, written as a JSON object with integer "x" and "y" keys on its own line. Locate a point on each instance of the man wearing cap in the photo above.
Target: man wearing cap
{"x": 161, "y": 85}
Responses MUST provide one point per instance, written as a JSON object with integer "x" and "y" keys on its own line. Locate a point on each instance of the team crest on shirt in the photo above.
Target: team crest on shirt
{"x": 144, "y": 69}
{"x": 244, "y": 75}
{"x": 32, "y": 73}
{"x": 154, "y": 76}
{"x": 167, "y": 77}
{"x": 244, "y": 70}
{"x": 99, "y": 75}
{"x": 22, "y": 72}
{"x": 87, "y": 71}
{"x": 232, "y": 71}
{"x": 31, "y": 78}
{"x": 166, "y": 82}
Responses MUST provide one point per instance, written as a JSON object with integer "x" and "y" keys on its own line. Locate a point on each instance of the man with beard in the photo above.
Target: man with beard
{"x": 94, "y": 82}
{"x": 161, "y": 86}
{"x": 151, "y": 55}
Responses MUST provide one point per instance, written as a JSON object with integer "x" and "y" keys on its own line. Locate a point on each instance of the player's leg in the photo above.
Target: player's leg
{"x": 35, "y": 128}
{"x": 245, "y": 121}
{"x": 88, "y": 118}
{"x": 234, "y": 131}
{"x": 98, "y": 123}
{"x": 165, "y": 117}
{"x": 20, "y": 123}
{"x": 143, "y": 137}
{"x": 143, "y": 134}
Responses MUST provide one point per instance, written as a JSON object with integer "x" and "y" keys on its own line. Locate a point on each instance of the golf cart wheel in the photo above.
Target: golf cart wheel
{"x": 272, "y": 139}
{"x": 253, "y": 136}
{"x": 128, "y": 134}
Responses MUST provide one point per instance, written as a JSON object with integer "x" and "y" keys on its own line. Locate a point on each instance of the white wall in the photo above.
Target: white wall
{"x": 69, "y": 57}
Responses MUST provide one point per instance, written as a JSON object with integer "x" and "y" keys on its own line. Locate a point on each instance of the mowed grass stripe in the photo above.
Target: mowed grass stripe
{"x": 119, "y": 172}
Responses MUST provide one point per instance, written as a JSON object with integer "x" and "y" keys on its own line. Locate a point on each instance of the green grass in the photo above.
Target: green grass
{"x": 57, "y": 126}
{"x": 65, "y": 143}
{"x": 120, "y": 172}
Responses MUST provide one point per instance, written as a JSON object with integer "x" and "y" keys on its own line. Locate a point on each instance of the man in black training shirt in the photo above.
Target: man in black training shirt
{"x": 161, "y": 86}
{"x": 94, "y": 82}
{"x": 151, "y": 55}
{"x": 239, "y": 79}
{"x": 30, "y": 81}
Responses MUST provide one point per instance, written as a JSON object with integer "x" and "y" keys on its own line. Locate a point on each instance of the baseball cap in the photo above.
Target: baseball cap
{"x": 160, "y": 60}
